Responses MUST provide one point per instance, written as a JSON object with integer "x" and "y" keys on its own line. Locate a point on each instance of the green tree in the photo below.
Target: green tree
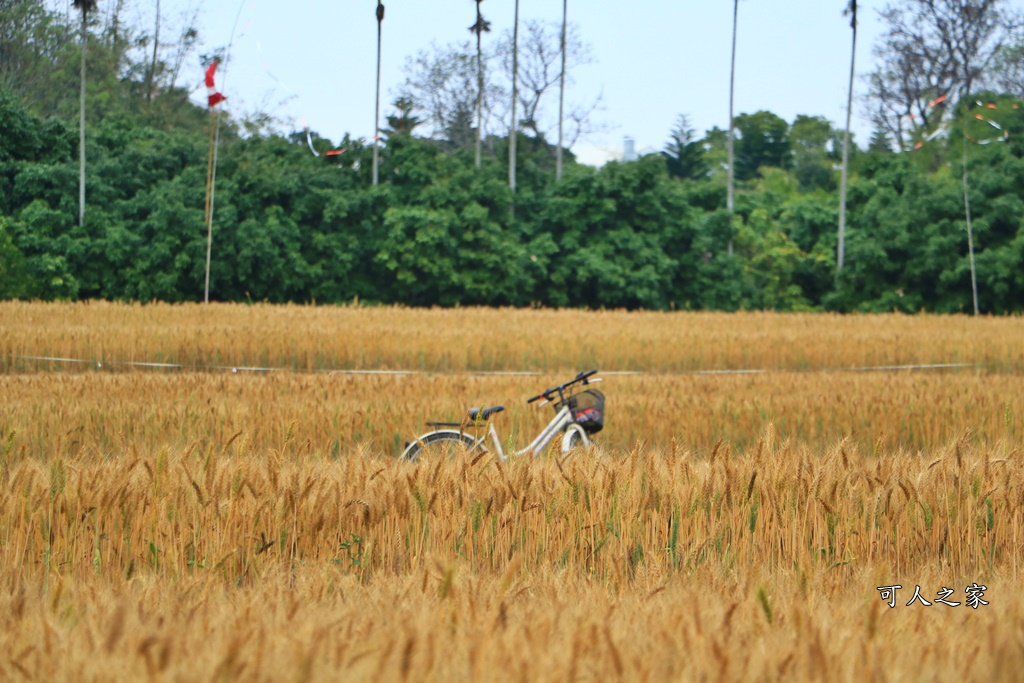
{"x": 933, "y": 51}
{"x": 402, "y": 122}
{"x": 813, "y": 143}
{"x": 36, "y": 50}
{"x": 15, "y": 282}
{"x": 608, "y": 229}
{"x": 442, "y": 85}
{"x": 684, "y": 152}
{"x": 1005, "y": 73}
{"x": 763, "y": 141}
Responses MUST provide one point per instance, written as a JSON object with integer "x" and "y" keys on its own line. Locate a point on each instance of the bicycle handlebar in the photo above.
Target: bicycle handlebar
{"x": 547, "y": 393}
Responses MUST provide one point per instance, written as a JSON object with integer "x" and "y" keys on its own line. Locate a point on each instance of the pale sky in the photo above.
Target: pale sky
{"x": 315, "y": 60}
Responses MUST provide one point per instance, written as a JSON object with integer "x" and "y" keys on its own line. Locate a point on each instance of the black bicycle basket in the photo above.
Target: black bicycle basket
{"x": 587, "y": 409}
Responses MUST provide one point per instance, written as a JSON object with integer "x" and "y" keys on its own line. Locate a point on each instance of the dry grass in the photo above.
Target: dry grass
{"x": 51, "y": 413}
{"x": 776, "y": 506}
{"x": 322, "y": 627}
{"x": 212, "y": 526}
{"x": 334, "y": 338}
{"x": 756, "y": 565}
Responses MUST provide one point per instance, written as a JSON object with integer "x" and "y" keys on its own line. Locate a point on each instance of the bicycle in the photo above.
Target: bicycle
{"x": 578, "y": 414}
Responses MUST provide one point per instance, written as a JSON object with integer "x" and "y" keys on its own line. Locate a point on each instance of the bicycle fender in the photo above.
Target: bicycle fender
{"x": 567, "y": 438}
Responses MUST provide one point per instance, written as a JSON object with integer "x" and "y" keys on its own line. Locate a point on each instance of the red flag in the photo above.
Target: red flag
{"x": 213, "y": 96}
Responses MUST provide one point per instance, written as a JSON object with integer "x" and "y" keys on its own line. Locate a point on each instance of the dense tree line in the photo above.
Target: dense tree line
{"x": 294, "y": 227}
{"x": 436, "y": 230}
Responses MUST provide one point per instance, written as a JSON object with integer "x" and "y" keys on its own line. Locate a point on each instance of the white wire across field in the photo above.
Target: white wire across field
{"x": 235, "y": 369}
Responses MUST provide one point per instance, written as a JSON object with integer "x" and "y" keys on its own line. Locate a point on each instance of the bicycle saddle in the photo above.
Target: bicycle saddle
{"x": 478, "y": 414}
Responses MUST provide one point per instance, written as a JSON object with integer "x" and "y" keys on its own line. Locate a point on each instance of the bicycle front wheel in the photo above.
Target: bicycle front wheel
{"x": 573, "y": 441}
{"x": 441, "y": 446}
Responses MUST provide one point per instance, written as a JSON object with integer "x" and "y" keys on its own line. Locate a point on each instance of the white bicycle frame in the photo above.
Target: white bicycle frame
{"x": 563, "y": 420}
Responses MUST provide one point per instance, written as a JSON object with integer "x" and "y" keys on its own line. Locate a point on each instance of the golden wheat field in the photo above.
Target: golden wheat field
{"x": 242, "y": 516}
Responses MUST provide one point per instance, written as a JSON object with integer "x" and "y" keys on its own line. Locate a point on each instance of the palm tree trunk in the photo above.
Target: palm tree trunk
{"x": 730, "y": 192}
{"x": 376, "y": 117}
{"x": 81, "y": 128}
{"x": 515, "y": 129}
{"x": 479, "y": 81}
{"x": 561, "y": 94}
{"x": 840, "y": 254}
{"x": 151, "y": 74}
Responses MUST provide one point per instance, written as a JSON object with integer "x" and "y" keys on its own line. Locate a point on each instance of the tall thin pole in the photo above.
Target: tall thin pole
{"x": 515, "y": 76}
{"x": 212, "y": 172}
{"x": 376, "y": 116}
{"x": 970, "y": 233}
{"x": 479, "y": 80}
{"x": 151, "y": 74}
{"x": 840, "y": 255}
{"x": 561, "y": 93}
{"x": 209, "y": 172}
{"x": 732, "y": 87}
{"x": 81, "y": 126}
{"x": 211, "y": 175}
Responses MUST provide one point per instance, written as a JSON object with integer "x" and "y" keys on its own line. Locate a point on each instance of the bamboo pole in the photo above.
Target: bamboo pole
{"x": 970, "y": 232}
{"x": 211, "y": 173}
{"x": 208, "y": 213}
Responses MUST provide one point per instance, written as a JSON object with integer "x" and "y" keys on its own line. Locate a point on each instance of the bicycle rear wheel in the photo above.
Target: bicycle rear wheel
{"x": 441, "y": 446}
